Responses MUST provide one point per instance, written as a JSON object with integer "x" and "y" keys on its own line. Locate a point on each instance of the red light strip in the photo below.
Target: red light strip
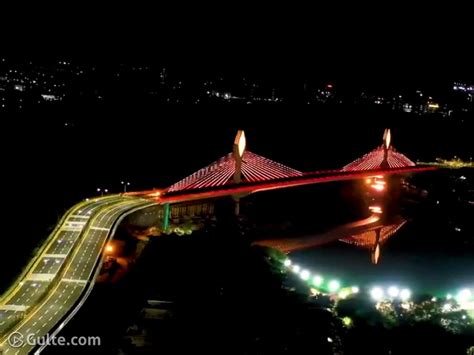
{"x": 306, "y": 179}
{"x": 375, "y": 158}
{"x": 254, "y": 168}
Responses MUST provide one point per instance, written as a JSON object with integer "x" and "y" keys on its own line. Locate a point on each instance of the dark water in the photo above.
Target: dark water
{"x": 432, "y": 252}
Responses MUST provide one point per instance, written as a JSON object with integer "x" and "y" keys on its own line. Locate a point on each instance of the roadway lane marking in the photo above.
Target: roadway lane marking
{"x": 40, "y": 277}
{"x": 79, "y": 216}
{"x": 74, "y": 223}
{"x": 54, "y": 255}
{"x": 14, "y": 307}
{"x": 100, "y": 229}
{"x": 71, "y": 228}
{"x": 73, "y": 280}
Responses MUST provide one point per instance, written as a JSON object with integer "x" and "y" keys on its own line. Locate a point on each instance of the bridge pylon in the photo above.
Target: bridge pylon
{"x": 238, "y": 151}
{"x": 387, "y": 137}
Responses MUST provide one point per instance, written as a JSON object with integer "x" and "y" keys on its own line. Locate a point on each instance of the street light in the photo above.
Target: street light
{"x": 125, "y": 184}
{"x": 102, "y": 191}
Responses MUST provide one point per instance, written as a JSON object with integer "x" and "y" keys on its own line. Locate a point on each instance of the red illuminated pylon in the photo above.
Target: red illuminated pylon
{"x": 240, "y": 165}
{"x": 382, "y": 157}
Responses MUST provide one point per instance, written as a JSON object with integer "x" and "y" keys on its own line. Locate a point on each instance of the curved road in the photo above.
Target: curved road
{"x": 62, "y": 272}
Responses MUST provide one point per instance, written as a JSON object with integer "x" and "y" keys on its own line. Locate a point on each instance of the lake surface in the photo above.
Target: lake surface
{"x": 428, "y": 252}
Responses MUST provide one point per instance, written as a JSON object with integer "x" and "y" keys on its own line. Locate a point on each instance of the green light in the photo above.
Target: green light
{"x": 334, "y": 285}
{"x": 317, "y": 280}
{"x": 347, "y": 321}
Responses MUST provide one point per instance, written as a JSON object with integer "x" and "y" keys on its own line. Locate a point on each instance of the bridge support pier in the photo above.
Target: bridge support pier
{"x": 236, "y": 205}
{"x": 166, "y": 217}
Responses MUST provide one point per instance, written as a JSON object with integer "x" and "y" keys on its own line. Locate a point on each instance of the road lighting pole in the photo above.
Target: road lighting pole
{"x": 102, "y": 191}
{"x": 125, "y": 184}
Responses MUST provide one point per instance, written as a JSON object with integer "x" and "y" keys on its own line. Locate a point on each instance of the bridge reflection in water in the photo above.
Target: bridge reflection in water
{"x": 374, "y": 239}
{"x": 369, "y": 233}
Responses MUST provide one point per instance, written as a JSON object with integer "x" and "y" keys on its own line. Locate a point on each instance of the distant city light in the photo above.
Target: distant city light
{"x": 287, "y": 262}
{"x": 296, "y": 268}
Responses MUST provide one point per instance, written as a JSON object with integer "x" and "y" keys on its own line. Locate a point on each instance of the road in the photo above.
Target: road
{"x": 248, "y": 187}
{"x": 65, "y": 268}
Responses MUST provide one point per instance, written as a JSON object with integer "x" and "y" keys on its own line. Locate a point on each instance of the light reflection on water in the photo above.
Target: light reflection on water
{"x": 396, "y": 253}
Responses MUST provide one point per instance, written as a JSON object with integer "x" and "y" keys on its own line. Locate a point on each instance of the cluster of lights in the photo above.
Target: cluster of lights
{"x": 377, "y": 183}
{"x": 376, "y": 209}
{"x": 392, "y": 292}
{"x": 317, "y": 281}
{"x": 464, "y": 297}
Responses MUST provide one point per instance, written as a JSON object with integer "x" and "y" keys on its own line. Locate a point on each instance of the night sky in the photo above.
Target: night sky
{"x": 373, "y": 41}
